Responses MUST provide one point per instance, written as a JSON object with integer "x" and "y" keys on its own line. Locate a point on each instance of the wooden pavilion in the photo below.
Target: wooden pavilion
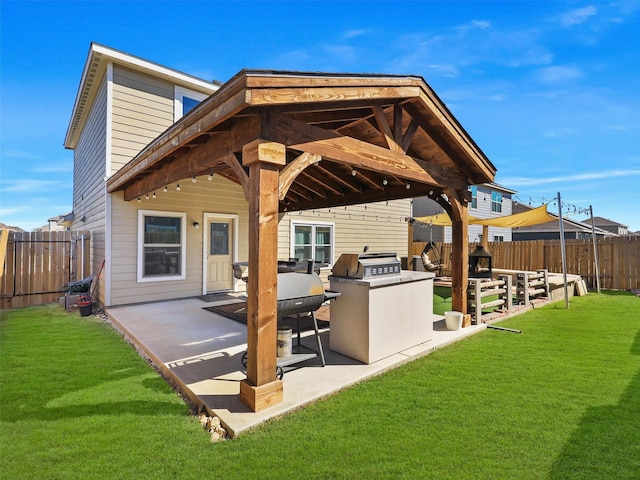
{"x": 297, "y": 141}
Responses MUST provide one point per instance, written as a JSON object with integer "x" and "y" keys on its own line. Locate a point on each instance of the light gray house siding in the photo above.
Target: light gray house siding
{"x": 89, "y": 191}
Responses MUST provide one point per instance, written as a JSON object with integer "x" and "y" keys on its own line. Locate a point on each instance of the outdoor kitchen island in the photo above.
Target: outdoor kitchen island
{"x": 379, "y": 316}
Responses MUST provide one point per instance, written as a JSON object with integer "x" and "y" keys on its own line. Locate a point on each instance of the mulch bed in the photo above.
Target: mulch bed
{"x": 238, "y": 312}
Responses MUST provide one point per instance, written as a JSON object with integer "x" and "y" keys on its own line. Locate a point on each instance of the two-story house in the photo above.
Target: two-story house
{"x": 488, "y": 200}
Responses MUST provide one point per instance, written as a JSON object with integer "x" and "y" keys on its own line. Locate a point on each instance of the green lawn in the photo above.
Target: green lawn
{"x": 559, "y": 401}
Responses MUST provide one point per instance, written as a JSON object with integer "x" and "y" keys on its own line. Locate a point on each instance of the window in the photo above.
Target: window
{"x": 496, "y": 202}
{"x": 161, "y": 246}
{"x": 312, "y": 241}
{"x": 185, "y": 100}
{"x": 498, "y": 238}
{"x": 474, "y": 196}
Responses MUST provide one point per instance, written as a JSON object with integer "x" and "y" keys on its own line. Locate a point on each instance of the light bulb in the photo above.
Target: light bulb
{"x": 154, "y": 195}
{"x": 177, "y": 187}
{"x": 193, "y": 180}
{"x": 164, "y": 189}
{"x": 210, "y": 177}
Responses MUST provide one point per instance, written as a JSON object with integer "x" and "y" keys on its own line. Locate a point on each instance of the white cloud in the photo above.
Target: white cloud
{"x": 63, "y": 167}
{"x": 558, "y": 74}
{"x": 29, "y": 185}
{"x": 355, "y": 33}
{"x": 579, "y": 177}
{"x": 577, "y": 16}
{"x": 20, "y": 154}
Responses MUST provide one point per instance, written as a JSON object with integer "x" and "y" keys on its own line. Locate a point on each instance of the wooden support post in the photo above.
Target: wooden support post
{"x": 485, "y": 237}
{"x": 460, "y": 250}
{"x": 261, "y": 389}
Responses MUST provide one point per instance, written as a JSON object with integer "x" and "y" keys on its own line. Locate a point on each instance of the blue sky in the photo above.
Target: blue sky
{"x": 549, "y": 90}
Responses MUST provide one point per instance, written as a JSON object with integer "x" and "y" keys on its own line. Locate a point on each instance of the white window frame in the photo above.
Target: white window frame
{"x": 312, "y": 224}
{"x": 496, "y": 207}
{"x": 179, "y": 94}
{"x": 183, "y": 245}
{"x": 474, "y": 197}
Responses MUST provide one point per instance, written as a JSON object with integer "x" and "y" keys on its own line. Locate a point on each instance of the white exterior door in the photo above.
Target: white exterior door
{"x": 219, "y": 254}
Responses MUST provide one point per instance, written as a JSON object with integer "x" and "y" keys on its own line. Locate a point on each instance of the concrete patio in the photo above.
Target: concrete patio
{"x": 200, "y": 352}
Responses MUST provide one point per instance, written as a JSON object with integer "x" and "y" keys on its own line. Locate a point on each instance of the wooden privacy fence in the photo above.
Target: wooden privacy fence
{"x": 37, "y": 266}
{"x": 618, "y": 258}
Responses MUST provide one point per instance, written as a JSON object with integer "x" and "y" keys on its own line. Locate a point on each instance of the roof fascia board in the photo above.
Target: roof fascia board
{"x": 122, "y": 58}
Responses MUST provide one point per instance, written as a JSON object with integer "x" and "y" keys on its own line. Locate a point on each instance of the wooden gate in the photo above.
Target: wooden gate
{"x": 37, "y": 266}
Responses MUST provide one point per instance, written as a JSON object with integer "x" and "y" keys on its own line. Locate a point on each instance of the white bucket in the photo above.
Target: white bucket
{"x": 284, "y": 347}
{"x": 453, "y": 320}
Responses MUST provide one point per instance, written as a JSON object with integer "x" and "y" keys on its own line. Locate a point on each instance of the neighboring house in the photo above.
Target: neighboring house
{"x": 488, "y": 200}
{"x": 179, "y": 240}
{"x": 551, "y": 230}
{"x": 609, "y": 225}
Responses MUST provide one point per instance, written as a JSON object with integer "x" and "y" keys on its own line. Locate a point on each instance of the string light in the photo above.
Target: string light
{"x": 147, "y": 197}
{"x": 154, "y": 195}
{"x": 165, "y": 189}
{"x": 193, "y": 179}
{"x": 210, "y": 177}
{"x": 139, "y": 199}
{"x": 177, "y": 187}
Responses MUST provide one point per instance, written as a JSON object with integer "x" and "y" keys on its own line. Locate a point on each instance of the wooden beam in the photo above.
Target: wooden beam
{"x": 293, "y": 169}
{"x": 231, "y": 160}
{"x": 359, "y": 154}
{"x": 408, "y": 135}
{"x": 459, "y": 250}
{"x": 261, "y": 389}
{"x": 385, "y": 129}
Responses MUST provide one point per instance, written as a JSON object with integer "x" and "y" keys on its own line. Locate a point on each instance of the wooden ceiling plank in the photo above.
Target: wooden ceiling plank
{"x": 322, "y": 183}
{"x": 337, "y": 178}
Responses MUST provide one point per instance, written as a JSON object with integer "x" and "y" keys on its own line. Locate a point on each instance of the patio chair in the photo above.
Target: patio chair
{"x": 431, "y": 266}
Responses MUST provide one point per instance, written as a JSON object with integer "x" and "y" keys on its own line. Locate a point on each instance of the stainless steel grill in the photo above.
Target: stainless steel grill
{"x": 366, "y": 265}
